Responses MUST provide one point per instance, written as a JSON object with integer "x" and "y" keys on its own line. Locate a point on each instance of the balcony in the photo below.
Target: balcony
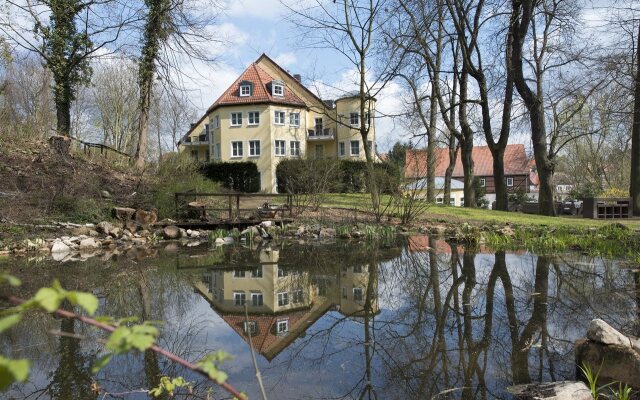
{"x": 324, "y": 134}
{"x": 196, "y": 141}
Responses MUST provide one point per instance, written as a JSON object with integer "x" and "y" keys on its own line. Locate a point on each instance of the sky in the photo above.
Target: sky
{"x": 253, "y": 27}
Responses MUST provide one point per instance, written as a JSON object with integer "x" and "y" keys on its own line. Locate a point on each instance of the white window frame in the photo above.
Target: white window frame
{"x": 461, "y": 202}
{"x": 253, "y": 150}
{"x": 241, "y": 148}
{"x": 282, "y": 272}
{"x": 250, "y": 328}
{"x": 242, "y": 92}
{"x": 216, "y": 151}
{"x": 254, "y": 299}
{"x": 275, "y": 87}
{"x": 315, "y": 126}
{"x": 483, "y": 182}
{"x": 294, "y": 119}
{"x": 342, "y": 149}
{"x": 439, "y": 200}
{"x": 207, "y": 131}
{"x": 510, "y": 182}
{"x": 354, "y": 119}
{"x": 256, "y": 274}
{"x": 351, "y": 148}
{"x": 239, "y": 274}
{"x": 297, "y": 296}
{"x": 279, "y": 121}
{"x": 231, "y": 118}
{"x": 295, "y": 153}
{"x": 217, "y": 121}
{"x": 282, "y": 327}
{"x": 255, "y": 114}
{"x": 239, "y": 298}
{"x": 283, "y": 299}
{"x": 276, "y": 148}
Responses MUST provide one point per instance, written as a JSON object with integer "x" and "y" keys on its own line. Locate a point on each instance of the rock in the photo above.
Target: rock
{"x": 615, "y": 362}
{"x": 60, "y": 248}
{"x": 83, "y": 230}
{"x": 146, "y": 217}
{"x": 123, "y": 213}
{"x": 194, "y": 243}
{"x": 228, "y": 240}
{"x": 132, "y": 226}
{"x": 144, "y": 233}
{"x": 301, "y": 230}
{"x": 89, "y": 244}
{"x": 251, "y": 231}
{"x": 194, "y": 234}
{"x": 345, "y": 235}
{"x": 104, "y": 227}
{"x": 105, "y": 194}
{"x": 183, "y": 233}
{"x": 357, "y": 234}
{"x": 219, "y": 241}
{"x": 171, "y": 232}
{"x": 93, "y": 233}
{"x": 601, "y": 332}
{"x": 139, "y": 241}
{"x": 326, "y": 233}
{"x": 115, "y": 233}
{"x": 565, "y": 390}
{"x": 266, "y": 224}
{"x": 172, "y": 247}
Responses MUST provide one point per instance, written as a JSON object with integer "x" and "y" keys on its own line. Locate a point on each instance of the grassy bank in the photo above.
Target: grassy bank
{"x": 455, "y": 215}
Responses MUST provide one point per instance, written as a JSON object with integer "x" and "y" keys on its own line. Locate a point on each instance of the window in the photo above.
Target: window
{"x": 239, "y": 298}
{"x": 238, "y": 273}
{"x": 282, "y": 272}
{"x": 297, "y": 296}
{"x": 194, "y": 155}
{"x": 236, "y": 149}
{"x": 216, "y": 151}
{"x": 367, "y": 116}
{"x": 281, "y": 148}
{"x": 452, "y": 201}
{"x": 354, "y": 119}
{"x": 283, "y": 299}
{"x": 319, "y": 150}
{"x": 282, "y": 327}
{"x": 254, "y": 118}
{"x": 294, "y": 119}
{"x": 483, "y": 182}
{"x": 236, "y": 119}
{"x": 357, "y": 294}
{"x": 257, "y": 299}
{"x": 357, "y": 269}
{"x": 279, "y": 118}
{"x": 250, "y": 328}
{"x": 355, "y": 148}
{"x": 439, "y": 200}
{"x": 509, "y": 181}
{"x": 254, "y": 148}
{"x": 257, "y": 273}
{"x": 294, "y": 147}
{"x": 318, "y": 126}
{"x": 206, "y": 131}
{"x": 277, "y": 88}
{"x": 342, "y": 150}
{"x": 370, "y": 145}
{"x": 217, "y": 121}
{"x": 245, "y": 90}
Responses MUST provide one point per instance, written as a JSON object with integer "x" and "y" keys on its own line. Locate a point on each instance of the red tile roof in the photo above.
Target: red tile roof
{"x": 261, "y": 82}
{"x": 515, "y": 162}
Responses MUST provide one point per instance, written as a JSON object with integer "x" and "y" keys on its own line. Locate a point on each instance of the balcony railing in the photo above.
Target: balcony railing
{"x": 324, "y": 134}
{"x": 196, "y": 141}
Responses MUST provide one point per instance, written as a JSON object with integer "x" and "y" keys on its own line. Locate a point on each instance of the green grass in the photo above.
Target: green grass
{"x": 448, "y": 214}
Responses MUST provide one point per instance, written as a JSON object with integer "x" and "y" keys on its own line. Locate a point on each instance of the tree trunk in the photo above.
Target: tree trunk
{"x": 498, "y": 178}
{"x": 453, "y": 154}
{"x": 466, "y": 148}
{"x": 143, "y": 123}
{"x": 635, "y": 138}
{"x": 62, "y": 96}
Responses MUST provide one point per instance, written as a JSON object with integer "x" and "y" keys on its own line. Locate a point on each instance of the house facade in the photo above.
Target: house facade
{"x": 268, "y": 115}
{"x": 516, "y": 168}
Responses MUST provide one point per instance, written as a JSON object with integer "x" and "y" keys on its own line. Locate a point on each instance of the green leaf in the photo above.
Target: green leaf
{"x": 85, "y": 300}
{"x": 10, "y": 279}
{"x": 8, "y": 322}
{"x": 12, "y": 371}
{"x": 101, "y": 363}
{"x": 48, "y": 298}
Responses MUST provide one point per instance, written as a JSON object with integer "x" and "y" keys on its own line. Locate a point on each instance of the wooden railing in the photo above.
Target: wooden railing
{"x": 256, "y": 204}
{"x": 98, "y": 148}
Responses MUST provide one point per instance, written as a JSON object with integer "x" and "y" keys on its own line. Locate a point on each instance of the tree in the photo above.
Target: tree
{"x": 635, "y": 137}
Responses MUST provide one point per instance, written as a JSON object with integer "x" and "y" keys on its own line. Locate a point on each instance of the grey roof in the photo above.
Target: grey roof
{"x": 439, "y": 183}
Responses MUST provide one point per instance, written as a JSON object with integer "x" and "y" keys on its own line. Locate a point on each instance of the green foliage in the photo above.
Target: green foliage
{"x": 397, "y": 155}
{"x": 592, "y": 380}
{"x": 13, "y": 371}
{"x": 623, "y": 392}
{"x": 169, "y": 385}
{"x": 177, "y": 173}
{"x": 127, "y": 338}
{"x": 210, "y": 364}
{"x": 585, "y": 190}
{"x": 79, "y": 209}
{"x": 481, "y": 192}
{"x": 519, "y": 197}
{"x": 237, "y": 176}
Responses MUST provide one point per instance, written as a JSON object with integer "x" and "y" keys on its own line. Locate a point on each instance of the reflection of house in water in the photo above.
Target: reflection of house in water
{"x": 282, "y": 301}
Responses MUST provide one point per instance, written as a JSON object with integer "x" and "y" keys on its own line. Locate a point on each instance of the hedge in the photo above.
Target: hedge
{"x": 238, "y": 176}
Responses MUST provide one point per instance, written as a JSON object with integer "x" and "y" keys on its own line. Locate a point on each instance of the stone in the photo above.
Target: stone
{"x": 132, "y": 226}
{"x": 251, "y": 231}
{"x": 115, "y": 233}
{"x": 89, "y": 244}
{"x": 146, "y": 217}
{"x": 123, "y": 213}
{"x": 228, "y": 240}
{"x": 194, "y": 243}
{"x": 301, "y": 230}
{"x": 83, "y": 230}
{"x": 60, "y": 248}
{"x": 564, "y": 390}
{"x": 194, "y": 234}
{"x": 93, "y": 233}
{"x": 172, "y": 247}
{"x": 104, "y": 227}
{"x": 615, "y": 362}
{"x": 601, "y": 332}
{"x": 219, "y": 241}
{"x": 266, "y": 224}
{"x": 105, "y": 194}
{"x": 171, "y": 232}
{"x": 326, "y": 233}
{"x": 357, "y": 234}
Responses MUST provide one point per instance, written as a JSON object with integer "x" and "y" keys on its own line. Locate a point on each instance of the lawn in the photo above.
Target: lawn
{"x": 448, "y": 214}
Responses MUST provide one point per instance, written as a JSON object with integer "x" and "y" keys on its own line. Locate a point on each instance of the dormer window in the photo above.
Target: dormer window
{"x": 245, "y": 89}
{"x": 277, "y": 88}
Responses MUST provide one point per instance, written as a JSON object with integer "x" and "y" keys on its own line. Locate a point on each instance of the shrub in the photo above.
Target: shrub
{"x": 238, "y": 176}
{"x": 614, "y": 192}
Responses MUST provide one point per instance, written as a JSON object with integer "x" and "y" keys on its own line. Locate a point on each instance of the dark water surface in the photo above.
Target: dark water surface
{"x": 413, "y": 320}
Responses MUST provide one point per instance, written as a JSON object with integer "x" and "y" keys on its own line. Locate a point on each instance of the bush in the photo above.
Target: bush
{"x": 614, "y": 192}
{"x": 238, "y": 176}
{"x": 177, "y": 173}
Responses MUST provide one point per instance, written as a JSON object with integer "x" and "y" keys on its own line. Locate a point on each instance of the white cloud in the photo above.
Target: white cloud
{"x": 265, "y": 9}
{"x": 286, "y": 59}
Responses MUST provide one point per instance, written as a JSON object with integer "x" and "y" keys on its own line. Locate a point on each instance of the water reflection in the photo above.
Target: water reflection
{"x": 421, "y": 319}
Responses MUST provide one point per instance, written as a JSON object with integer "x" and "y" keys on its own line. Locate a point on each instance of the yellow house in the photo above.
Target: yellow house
{"x": 268, "y": 115}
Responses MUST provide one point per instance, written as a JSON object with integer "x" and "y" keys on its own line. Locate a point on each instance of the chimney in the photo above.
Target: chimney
{"x": 298, "y": 77}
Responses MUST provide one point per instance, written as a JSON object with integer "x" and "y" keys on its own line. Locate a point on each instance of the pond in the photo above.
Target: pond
{"x": 415, "y": 319}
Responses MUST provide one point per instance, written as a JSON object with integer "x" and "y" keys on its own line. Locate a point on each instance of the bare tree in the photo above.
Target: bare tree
{"x": 635, "y": 137}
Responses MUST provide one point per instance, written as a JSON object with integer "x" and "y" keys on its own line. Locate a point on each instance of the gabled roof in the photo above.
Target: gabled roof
{"x": 515, "y": 162}
{"x": 285, "y": 72}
